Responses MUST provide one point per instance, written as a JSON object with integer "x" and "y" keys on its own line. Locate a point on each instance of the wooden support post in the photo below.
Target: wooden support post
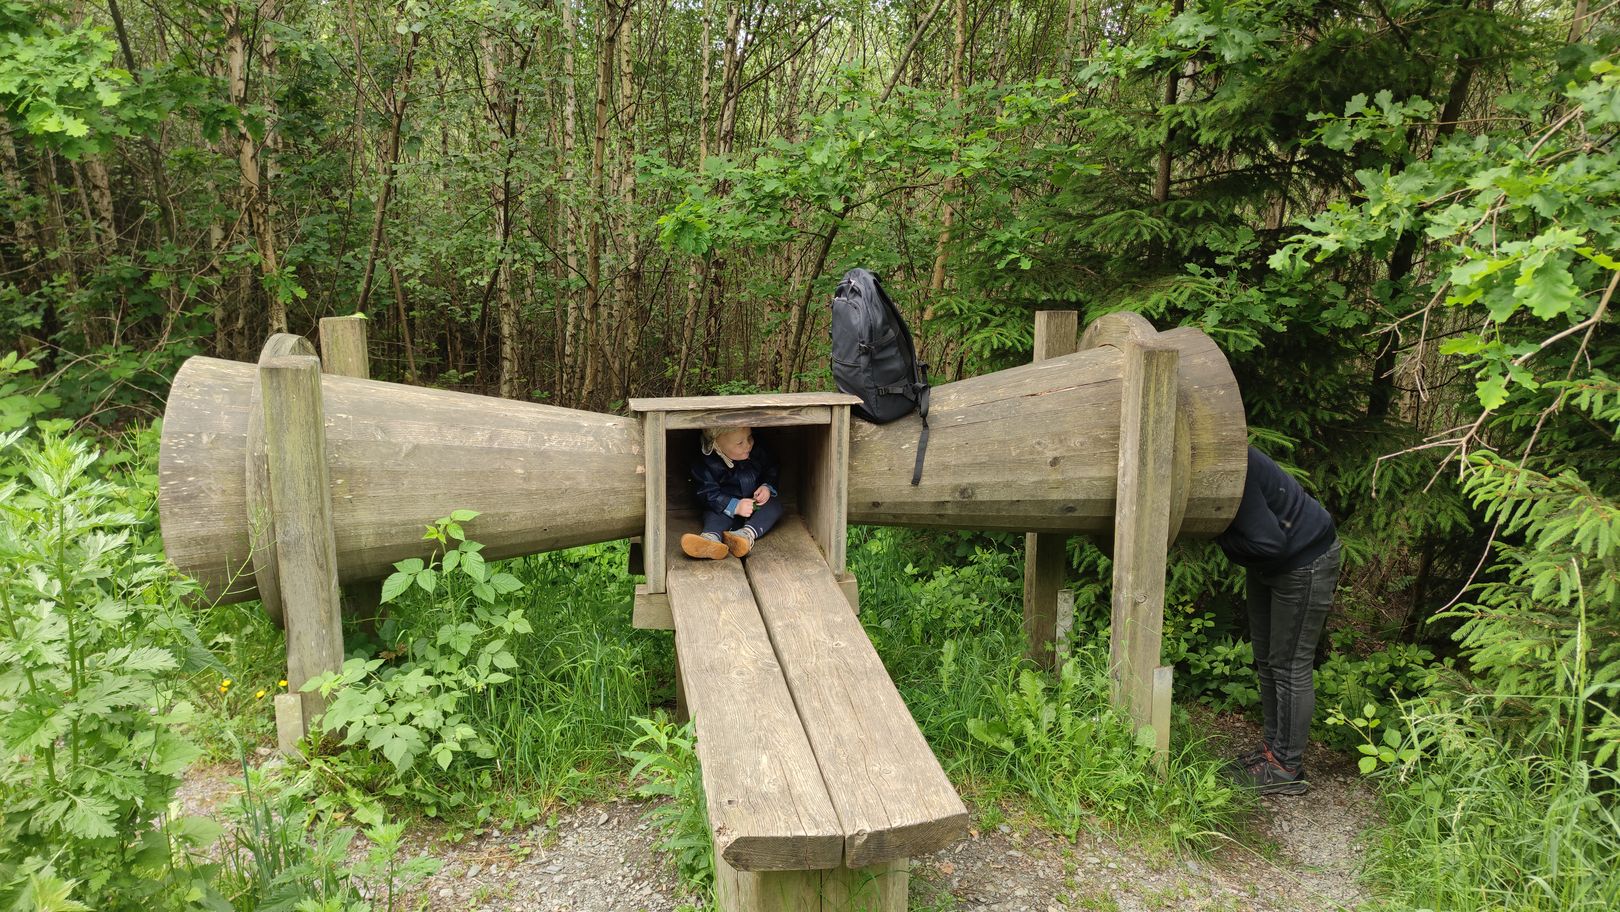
{"x": 1163, "y": 684}
{"x": 653, "y": 541}
{"x": 343, "y": 346}
{"x": 1147, "y": 430}
{"x": 344, "y": 353}
{"x": 1065, "y": 625}
{"x": 876, "y": 888}
{"x": 1057, "y": 333}
{"x": 306, "y": 551}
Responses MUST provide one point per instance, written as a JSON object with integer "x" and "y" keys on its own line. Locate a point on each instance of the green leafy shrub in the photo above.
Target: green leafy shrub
{"x": 287, "y": 853}
{"x": 91, "y": 715}
{"x": 667, "y": 767}
{"x": 417, "y": 705}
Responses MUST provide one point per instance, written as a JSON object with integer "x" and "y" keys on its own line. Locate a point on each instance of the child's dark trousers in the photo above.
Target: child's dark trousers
{"x": 765, "y": 516}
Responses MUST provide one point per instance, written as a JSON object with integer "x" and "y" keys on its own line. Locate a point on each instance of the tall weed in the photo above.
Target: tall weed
{"x": 91, "y": 714}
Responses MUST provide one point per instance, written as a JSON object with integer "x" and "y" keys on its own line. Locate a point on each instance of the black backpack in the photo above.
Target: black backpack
{"x": 874, "y": 358}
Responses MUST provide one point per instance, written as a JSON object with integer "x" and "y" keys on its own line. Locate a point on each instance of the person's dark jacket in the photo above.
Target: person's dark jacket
{"x": 720, "y": 488}
{"x": 1278, "y": 526}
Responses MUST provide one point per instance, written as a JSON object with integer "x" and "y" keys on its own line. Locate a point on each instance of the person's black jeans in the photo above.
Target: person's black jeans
{"x": 765, "y": 516}
{"x": 1286, "y": 615}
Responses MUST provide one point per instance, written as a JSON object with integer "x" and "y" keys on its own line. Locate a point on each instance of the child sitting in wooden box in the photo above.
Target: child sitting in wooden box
{"x": 736, "y": 490}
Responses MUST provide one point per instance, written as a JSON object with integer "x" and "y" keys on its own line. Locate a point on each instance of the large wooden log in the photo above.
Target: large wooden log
{"x": 1036, "y": 448}
{"x": 400, "y": 457}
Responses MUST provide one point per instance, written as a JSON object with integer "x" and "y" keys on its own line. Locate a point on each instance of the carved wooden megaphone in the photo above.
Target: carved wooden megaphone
{"x": 399, "y": 457}
{"x": 1036, "y": 448}
{"x": 1032, "y": 448}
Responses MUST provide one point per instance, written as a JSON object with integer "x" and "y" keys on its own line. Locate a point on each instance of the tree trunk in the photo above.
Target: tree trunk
{"x": 1161, "y": 183}
{"x": 607, "y": 54}
{"x": 255, "y": 194}
{"x": 570, "y": 371}
{"x": 397, "y": 102}
{"x": 499, "y": 98}
{"x": 696, "y": 281}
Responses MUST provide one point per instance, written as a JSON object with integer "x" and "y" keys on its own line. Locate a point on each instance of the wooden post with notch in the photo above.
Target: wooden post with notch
{"x": 306, "y": 550}
{"x": 1147, "y": 431}
{"x": 1057, "y": 333}
{"x": 344, "y": 354}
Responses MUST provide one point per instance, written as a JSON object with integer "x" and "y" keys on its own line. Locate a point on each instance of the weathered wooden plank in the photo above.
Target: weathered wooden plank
{"x": 306, "y": 555}
{"x": 1065, "y": 625}
{"x": 1163, "y": 687}
{"x": 761, "y": 416}
{"x": 262, "y": 531}
{"x": 653, "y": 449}
{"x": 344, "y": 353}
{"x": 761, "y": 400}
{"x": 893, "y": 799}
{"x": 826, "y": 488}
{"x": 768, "y": 806}
{"x": 290, "y": 728}
{"x": 1046, "y": 564}
{"x": 881, "y": 887}
{"x": 343, "y": 346}
{"x": 876, "y": 888}
{"x": 1046, "y": 558}
{"x": 650, "y": 610}
{"x": 1142, "y": 528}
{"x": 851, "y": 587}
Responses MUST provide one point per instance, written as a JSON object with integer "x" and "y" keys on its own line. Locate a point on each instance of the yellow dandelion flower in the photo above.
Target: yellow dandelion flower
{"x": 282, "y": 682}
{"x": 259, "y": 695}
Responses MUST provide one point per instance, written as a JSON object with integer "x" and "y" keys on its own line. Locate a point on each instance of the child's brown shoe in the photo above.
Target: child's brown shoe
{"x": 738, "y": 543}
{"x": 705, "y": 548}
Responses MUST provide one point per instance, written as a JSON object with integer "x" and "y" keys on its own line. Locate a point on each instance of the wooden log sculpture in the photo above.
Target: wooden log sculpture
{"x": 400, "y": 457}
{"x": 1035, "y": 448}
{"x": 1032, "y": 448}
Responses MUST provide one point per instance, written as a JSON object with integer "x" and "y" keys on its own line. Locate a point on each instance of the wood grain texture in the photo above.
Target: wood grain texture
{"x": 764, "y": 416}
{"x": 400, "y": 457}
{"x": 261, "y": 516}
{"x": 650, "y": 610}
{"x": 1046, "y": 558}
{"x": 306, "y": 554}
{"x": 878, "y": 888}
{"x": 1142, "y": 527}
{"x": 1163, "y": 688}
{"x": 1046, "y": 562}
{"x": 734, "y": 403}
{"x": 824, "y": 488}
{"x": 654, "y": 447}
{"x": 893, "y": 799}
{"x": 1035, "y": 448}
{"x": 768, "y": 806}
{"x": 343, "y": 346}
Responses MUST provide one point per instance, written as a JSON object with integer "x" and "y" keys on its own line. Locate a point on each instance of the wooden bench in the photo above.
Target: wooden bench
{"x": 820, "y": 787}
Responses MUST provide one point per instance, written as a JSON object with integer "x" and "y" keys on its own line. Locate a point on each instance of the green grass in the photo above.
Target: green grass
{"x": 1481, "y": 820}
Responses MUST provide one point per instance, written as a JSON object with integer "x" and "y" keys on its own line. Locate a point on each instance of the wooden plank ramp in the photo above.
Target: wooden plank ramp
{"x": 892, "y": 798}
{"x": 768, "y": 807}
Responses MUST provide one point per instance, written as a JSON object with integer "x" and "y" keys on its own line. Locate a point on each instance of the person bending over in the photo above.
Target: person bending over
{"x": 736, "y": 490}
{"x": 1289, "y": 547}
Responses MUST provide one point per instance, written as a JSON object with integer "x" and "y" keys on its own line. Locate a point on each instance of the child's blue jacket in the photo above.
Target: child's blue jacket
{"x": 719, "y": 488}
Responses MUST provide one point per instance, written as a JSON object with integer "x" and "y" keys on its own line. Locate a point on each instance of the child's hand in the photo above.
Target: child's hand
{"x": 762, "y": 494}
{"x": 745, "y": 508}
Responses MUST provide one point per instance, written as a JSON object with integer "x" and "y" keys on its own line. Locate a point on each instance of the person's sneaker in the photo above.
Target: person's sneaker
{"x": 703, "y": 547}
{"x": 1268, "y": 777}
{"x": 1244, "y": 761}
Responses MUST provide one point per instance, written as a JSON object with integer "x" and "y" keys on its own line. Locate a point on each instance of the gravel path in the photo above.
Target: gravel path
{"x": 600, "y": 858}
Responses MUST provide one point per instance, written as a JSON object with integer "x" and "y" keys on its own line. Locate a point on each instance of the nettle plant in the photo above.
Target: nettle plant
{"x": 413, "y": 699}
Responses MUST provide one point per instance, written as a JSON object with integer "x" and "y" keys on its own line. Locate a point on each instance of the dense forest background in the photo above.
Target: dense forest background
{"x": 1399, "y": 218}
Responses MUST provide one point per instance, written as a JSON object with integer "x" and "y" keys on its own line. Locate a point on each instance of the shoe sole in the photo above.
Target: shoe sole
{"x": 1284, "y": 789}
